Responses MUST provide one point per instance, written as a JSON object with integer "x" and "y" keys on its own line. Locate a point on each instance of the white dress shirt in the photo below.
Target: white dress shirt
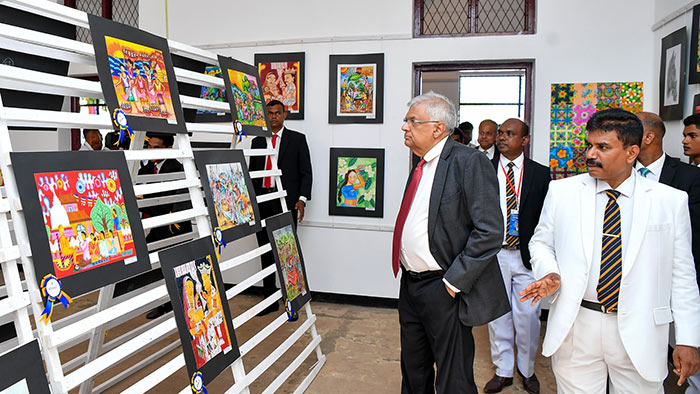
{"x": 654, "y": 168}
{"x": 626, "y": 203}
{"x": 489, "y": 152}
{"x": 502, "y": 185}
{"x": 85, "y": 146}
{"x": 277, "y": 152}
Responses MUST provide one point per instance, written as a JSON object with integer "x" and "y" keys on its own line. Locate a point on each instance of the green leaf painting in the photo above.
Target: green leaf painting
{"x": 356, "y": 182}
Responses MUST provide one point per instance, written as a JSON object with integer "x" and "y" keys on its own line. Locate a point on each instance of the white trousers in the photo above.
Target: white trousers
{"x": 591, "y": 352}
{"x": 694, "y": 382}
{"x": 519, "y": 328}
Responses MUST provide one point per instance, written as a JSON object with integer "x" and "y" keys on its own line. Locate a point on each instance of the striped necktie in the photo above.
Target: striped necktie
{"x": 611, "y": 254}
{"x": 511, "y": 203}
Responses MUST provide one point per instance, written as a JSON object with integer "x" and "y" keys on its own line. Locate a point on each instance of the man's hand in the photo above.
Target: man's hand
{"x": 299, "y": 206}
{"x": 540, "y": 289}
{"x": 685, "y": 362}
{"x": 452, "y": 293}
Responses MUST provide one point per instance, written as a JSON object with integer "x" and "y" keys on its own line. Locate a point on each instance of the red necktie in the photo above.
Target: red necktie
{"x": 155, "y": 168}
{"x": 403, "y": 213}
{"x": 268, "y": 165}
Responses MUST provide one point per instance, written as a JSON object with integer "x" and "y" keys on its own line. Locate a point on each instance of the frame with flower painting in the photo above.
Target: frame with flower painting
{"x": 356, "y": 182}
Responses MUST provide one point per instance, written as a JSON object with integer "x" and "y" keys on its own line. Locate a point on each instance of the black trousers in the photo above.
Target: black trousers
{"x": 431, "y": 333}
{"x": 267, "y": 209}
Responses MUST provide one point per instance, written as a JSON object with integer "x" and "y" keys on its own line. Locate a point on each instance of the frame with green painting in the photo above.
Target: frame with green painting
{"x": 356, "y": 182}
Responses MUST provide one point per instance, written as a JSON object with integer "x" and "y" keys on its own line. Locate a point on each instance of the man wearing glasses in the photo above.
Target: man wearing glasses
{"x": 451, "y": 280}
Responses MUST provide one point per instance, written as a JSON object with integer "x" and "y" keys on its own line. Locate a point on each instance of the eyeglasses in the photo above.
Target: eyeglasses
{"x": 414, "y": 122}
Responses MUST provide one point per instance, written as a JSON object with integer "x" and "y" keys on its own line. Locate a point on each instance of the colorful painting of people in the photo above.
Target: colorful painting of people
{"x": 85, "y": 219}
{"x": 356, "y": 91}
{"x": 209, "y": 93}
{"x": 232, "y": 202}
{"x": 140, "y": 79}
{"x": 249, "y": 102}
{"x": 357, "y": 182}
{"x": 281, "y": 82}
{"x": 286, "y": 245}
{"x": 202, "y": 307}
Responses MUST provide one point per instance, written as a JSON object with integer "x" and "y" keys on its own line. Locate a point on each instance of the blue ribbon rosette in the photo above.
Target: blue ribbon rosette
{"x": 291, "y": 313}
{"x": 51, "y": 289}
{"x": 239, "y": 130}
{"x": 197, "y": 383}
{"x": 119, "y": 119}
{"x": 219, "y": 241}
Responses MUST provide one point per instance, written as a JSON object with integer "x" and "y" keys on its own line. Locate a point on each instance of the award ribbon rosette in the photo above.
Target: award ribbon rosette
{"x": 239, "y": 130}
{"x": 51, "y": 289}
{"x": 119, "y": 119}
{"x": 219, "y": 241}
{"x": 291, "y": 313}
{"x": 197, "y": 383}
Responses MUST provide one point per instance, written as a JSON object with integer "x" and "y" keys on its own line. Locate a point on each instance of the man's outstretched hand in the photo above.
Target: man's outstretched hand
{"x": 540, "y": 289}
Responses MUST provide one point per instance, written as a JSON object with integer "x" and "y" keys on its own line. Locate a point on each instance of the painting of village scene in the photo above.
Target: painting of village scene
{"x": 201, "y": 300}
{"x": 356, "y": 89}
{"x": 232, "y": 202}
{"x": 247, "y": 98}
{"x": 85, "y": 219}
{"x": 290, "y": 263}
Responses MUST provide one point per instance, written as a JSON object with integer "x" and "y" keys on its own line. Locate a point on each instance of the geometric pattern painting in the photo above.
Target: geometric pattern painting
{"x": 572, "y": 104}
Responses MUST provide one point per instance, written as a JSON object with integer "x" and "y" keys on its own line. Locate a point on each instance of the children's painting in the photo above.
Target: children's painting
{"x": 286, "y": 245}
{"x": 356, "y": 182}
{"x": 356, "y": 88}
{"x": 85, "y": 219}
{"x": 83, "y": 222}
{"x": 201, "y": 300}
{"x": 209, "y": 93}
{"x": 232, "y": 201}
{"x": 23, "y": 371}
{"x": 245, "y": 96}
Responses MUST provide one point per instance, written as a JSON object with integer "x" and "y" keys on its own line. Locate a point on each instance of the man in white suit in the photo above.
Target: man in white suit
{"x": 614, "y": 249}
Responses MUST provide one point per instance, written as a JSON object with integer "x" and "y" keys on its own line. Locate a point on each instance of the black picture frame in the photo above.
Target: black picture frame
{"x": 226, "y": 64}
{"x": 179, "y": 262}
{"x": 282, "y": 227}
{"x": 100, "y": 29}
{"x": 24, "y": 364}
{"x": 336, "y": 196}
{"x": 672, "y": 76}
{"x": 187, "y": 89}
{"x": 696, "y": 104}
{"x": 300, "y": 81}
{"x": 694, "y": 58}
{"x": 205, "y": 159}
{"x": 79, "y": 281}
{"x": 335, "y": 107}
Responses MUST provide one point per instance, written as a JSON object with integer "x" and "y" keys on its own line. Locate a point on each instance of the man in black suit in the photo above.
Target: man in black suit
{"x": 451, "y": 280}
{"x": 294, "y": 160}
{"x": 523, "y": 185}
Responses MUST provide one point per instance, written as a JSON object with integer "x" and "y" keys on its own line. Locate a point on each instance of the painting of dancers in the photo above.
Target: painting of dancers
{"x": 282, "y": 76}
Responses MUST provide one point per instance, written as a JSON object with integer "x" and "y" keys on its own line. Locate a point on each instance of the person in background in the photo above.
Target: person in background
{"x": 487, "y": 138}
{"x": 691, "y": 138}
{"x": 93, "y": 140}
{"x": 457, "y": 135}
{"x": 112, "y": 141}
{"x": 467, "y": 128}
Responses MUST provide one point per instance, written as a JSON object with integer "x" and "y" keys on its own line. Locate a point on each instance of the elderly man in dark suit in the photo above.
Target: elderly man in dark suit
{"x": 451, "y": 280}
{"x": 523, "y": 186}
{"x": 294, "y": 160}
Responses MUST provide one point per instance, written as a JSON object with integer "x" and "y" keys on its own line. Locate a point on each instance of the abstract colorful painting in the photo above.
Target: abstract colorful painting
{"x": 357, "y": 88}
{"x": 201, "y": 309}
{"x": 572, "y": 104}
{"x": 209, "y": 93}
{"x": 137, "y": 76}
{"x": 23, "y": 371}
{"x": 289, "y": 259}
{"x": 81, "y": 213}
{"x": 229, "y": 192}
{"x": 245, "y": 97}
{"x": 356, "y": 182}
{"x": 282, "y": 76}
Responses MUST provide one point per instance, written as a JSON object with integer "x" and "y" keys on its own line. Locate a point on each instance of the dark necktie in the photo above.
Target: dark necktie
{"x": 268, "y": 165}
{"x": 511, "y": 204}
{"x": 403, "y": 213}
{"x": 611, "y": 254}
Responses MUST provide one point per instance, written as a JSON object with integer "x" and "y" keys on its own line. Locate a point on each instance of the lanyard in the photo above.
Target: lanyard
{"x": 520, "y": 182}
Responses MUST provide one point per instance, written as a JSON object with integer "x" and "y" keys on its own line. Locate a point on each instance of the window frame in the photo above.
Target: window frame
{"x": 418, "y": 6}
{"x": 522, "y": 74}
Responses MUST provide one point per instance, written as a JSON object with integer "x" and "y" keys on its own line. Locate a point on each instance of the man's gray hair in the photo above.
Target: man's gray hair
{"x": 437, "y": 107}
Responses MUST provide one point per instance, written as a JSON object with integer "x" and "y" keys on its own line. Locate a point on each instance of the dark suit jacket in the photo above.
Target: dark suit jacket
{"x": 686, "y": 177}
{"x": 295, "y": 162}
{"x": 465, "y": 231}
{"x": 532, "y": 193}
{"x": 158, "y": 233}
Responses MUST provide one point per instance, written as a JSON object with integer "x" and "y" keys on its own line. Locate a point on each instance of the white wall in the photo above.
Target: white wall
{"x": 576, "y": 41}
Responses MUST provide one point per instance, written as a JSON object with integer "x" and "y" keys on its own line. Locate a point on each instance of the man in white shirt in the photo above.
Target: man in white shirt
{"x": 93, "y": 140}
{"x": 451, "y": 280}
{"x": 487, "y": 138}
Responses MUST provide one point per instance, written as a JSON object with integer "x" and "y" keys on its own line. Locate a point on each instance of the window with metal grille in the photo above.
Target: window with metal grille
{"x": 472, "y": 17}
{"x": 122, "y": 11}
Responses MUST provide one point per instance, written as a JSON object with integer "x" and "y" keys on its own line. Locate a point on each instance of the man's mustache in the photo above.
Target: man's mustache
{"x": 593, "y": 163}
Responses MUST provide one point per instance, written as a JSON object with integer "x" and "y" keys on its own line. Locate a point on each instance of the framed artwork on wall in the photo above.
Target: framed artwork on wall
{"x": 137, "y": 76}
{"x": 23, "y": 371}
{"x": 229, "y": 192}
{"x": 356, "y": 182}
{"x": 203, "y": 92}
{"x": 83, "y": 223}
{"x": 672, "y": 78}
{"x": 289, "y": 260}
{"x": 244, "y": 94}
{"x": 282, "y": 76}
{"x": 356, "y": 89}
{"x": 694, "y": 63}
{"x": 197, "y": 293}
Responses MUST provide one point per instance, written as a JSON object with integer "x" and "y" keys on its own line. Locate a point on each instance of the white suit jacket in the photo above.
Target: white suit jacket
{"x": 658, "y": 283}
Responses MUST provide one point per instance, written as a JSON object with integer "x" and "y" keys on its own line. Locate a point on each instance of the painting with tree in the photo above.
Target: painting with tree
{"x": 356, "y": 182}
{"x": 245, "y": 96}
